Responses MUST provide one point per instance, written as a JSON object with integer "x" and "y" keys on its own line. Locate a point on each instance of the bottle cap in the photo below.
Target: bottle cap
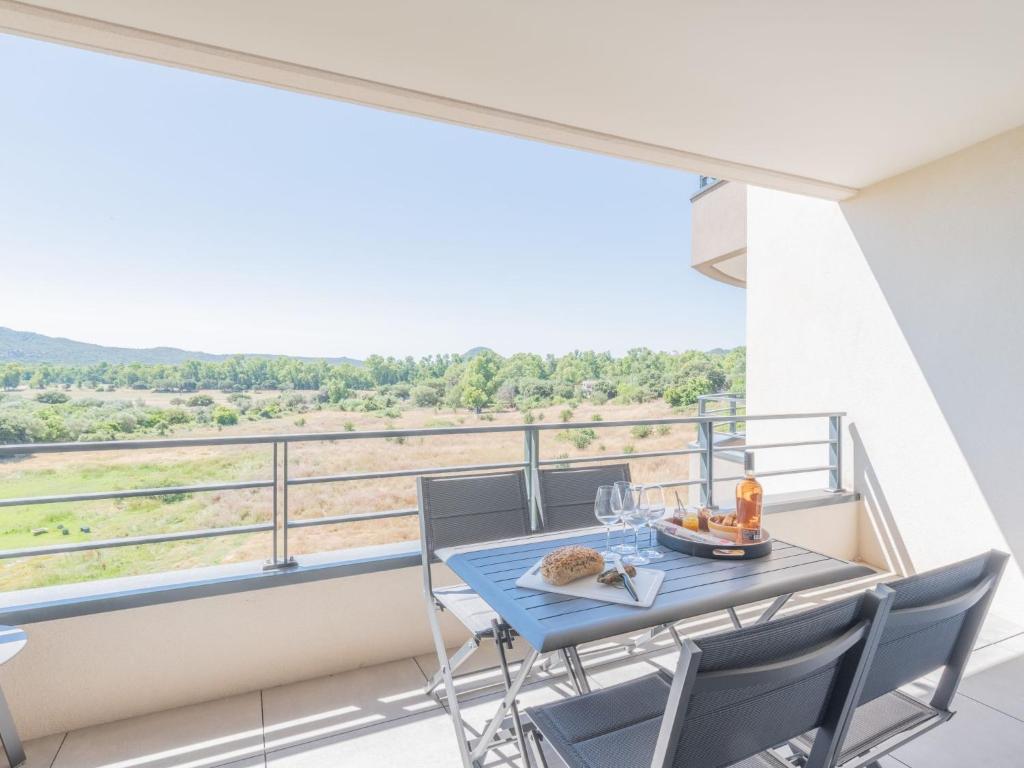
{"x": 748, "y": 461}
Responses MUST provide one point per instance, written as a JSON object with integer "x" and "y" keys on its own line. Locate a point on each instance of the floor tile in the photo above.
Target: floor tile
{"x": 998, "y": 682}
{"x": 997, "y": 628}
{"x": 327, "y": 706}
{"x": 976, "y": 736}
{"x": 200, "y": 736}
{"x": 426, "y": 741}
{"x": 39, "y": 753}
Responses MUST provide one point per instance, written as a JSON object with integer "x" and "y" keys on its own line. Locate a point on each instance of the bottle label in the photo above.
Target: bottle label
{"x": 750, "y": 535}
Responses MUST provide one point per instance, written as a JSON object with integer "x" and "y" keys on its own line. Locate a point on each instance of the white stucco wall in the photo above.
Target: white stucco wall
{"x": 904, "y": 307}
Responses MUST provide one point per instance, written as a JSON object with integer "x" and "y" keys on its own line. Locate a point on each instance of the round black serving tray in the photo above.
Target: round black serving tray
{"x": 717, "y": 551}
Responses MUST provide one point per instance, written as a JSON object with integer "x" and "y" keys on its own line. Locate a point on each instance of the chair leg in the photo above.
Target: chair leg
{"x": 456, "y": 661}
{"x": 9, "y": 735}
{"x": 449, "y": 687}
{"x": 533, "y": 737}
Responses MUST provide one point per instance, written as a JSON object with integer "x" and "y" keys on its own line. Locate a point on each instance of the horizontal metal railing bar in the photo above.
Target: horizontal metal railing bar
{"x": 356, "y": 517}
{"x": 187, "y": 442}
{"x": 800, "y": 471}
{"x": 760, "y": 446}
{"x": 128, "y": 541}
{"x": 404, "y": 473}
{"x": 135, "y": 492}
{"x": 617, "y": 456}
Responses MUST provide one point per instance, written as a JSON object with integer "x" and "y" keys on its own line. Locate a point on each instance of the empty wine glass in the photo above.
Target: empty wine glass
{"x": 622, "y": 498}
{"x": 634, "y": 516}
{"x": 652, "y": 503}
{"x": 608, "y": 516}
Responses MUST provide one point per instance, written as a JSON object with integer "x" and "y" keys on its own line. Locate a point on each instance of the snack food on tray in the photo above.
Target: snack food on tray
{"x": 613, "y": 578}
{"x": 567, "y": 564}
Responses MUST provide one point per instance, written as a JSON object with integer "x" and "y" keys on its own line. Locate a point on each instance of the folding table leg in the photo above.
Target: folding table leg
{"x": 449, "y": 687}
{"x": 772, "y": 609}
{"x": 500, "y": 638}
{"x": 484, "y": 743}
{"x": 582, "y": 685}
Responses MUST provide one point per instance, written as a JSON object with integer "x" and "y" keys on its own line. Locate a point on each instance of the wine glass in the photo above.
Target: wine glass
{"x": 634, "y": 516}
{"x": 622, "y": 498}
{"x": 652, "y": 502}
{"x": 608, "y": 516}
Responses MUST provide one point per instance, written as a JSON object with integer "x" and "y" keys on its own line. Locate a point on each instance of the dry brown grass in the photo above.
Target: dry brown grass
{"x": 222, "y": 509}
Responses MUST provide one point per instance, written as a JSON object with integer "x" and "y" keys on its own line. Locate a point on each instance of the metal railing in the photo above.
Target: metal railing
{"x": 708, "y": 405}
{"x": 281, "y": 481}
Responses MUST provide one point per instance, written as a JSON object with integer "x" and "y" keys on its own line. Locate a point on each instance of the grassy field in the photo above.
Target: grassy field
{"x": 49, "y": 474}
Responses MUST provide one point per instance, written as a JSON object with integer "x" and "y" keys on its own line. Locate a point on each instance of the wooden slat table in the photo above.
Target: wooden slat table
{"x": 692, "y": 586}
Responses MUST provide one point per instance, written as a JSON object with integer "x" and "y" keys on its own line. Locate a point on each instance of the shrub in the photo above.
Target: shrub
{"x": 598, "y": 398}
{"x": 664, "y": 429}
{"x": 199, "y": 401}
{"x": 300, "y": 422}
{"x": 424, "y": 397}
{"x": 224, "y": 416}
{"x": 565, "y": 415}
{"x": 641, "y": 431}
{"x": 348, "y": 426}
{"x": 628, "y": 448}
{"x": 52, "y": 397}
{"x": 486, "y": 417}
{"x": 596, "y": 417}
{"x": 580, "y": 438}
{"x": 529, "y": 418}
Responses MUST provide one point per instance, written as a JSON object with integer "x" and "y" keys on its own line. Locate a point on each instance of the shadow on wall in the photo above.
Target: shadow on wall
{"x": 893, "y": 550}
{"x": 944, "y": 245}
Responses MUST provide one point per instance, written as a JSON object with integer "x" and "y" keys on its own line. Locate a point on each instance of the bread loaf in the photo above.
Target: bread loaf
{"x": 567, "y": 564}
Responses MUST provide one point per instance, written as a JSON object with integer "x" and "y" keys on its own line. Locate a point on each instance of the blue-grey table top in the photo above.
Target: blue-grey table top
{"x": 693, "y": 586}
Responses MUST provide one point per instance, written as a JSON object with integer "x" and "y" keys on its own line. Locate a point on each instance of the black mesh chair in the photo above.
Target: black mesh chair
{"x": 734, "y": 696}
{"x": 933, "y": 624}
{"x": 454, "y": 511}
{"x": 467, "y": 509}
{"x": 567, "y": 495}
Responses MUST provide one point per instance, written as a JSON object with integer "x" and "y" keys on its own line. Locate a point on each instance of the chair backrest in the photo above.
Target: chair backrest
{"x": 737, "y": 693}
{"x": 470, "y": 509}
{"x": 567, "y": 495}
{"x": 934, "y": 623}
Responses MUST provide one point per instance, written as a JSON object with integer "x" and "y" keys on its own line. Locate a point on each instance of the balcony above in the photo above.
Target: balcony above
{"x": 719, "y": 231}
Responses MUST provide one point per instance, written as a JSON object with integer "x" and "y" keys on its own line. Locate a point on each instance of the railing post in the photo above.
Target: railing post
{"x": 531, "y": 451}
{"x": 706, "y": 440}
{"x": 732, "y": 413}
{"x": 835, "y": 453}
{"x": 272, "y": 562}
{"x": 280, "y": 478}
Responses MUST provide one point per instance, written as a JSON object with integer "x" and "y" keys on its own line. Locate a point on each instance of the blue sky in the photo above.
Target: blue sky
{"x": 143, "y": 205}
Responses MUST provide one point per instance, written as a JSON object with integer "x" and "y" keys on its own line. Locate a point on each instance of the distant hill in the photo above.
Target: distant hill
{"x": 27, "y": 347}
{"x": 469, "y": 354}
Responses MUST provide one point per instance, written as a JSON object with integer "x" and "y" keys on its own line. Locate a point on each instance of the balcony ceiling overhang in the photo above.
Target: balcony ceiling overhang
{"x": 816, "y": 98}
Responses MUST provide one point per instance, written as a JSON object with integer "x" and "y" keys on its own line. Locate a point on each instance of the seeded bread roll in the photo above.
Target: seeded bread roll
{"x": 567, "y": 564}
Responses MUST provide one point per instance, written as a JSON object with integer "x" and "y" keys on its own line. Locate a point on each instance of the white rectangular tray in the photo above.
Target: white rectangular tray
{"x": 647, "y": 582}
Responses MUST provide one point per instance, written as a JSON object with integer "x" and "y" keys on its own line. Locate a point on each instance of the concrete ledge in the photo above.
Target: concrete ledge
{"x": 47, "y": 603}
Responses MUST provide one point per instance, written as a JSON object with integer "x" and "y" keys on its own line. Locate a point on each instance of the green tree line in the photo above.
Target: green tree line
{"x": 483, "y": 379}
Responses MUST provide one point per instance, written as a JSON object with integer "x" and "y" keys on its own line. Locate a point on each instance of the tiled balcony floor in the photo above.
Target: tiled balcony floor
{"x": 378, "y": 717}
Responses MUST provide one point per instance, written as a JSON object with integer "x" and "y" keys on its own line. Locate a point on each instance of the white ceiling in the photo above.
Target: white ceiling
{"x": 817, "y": 96}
